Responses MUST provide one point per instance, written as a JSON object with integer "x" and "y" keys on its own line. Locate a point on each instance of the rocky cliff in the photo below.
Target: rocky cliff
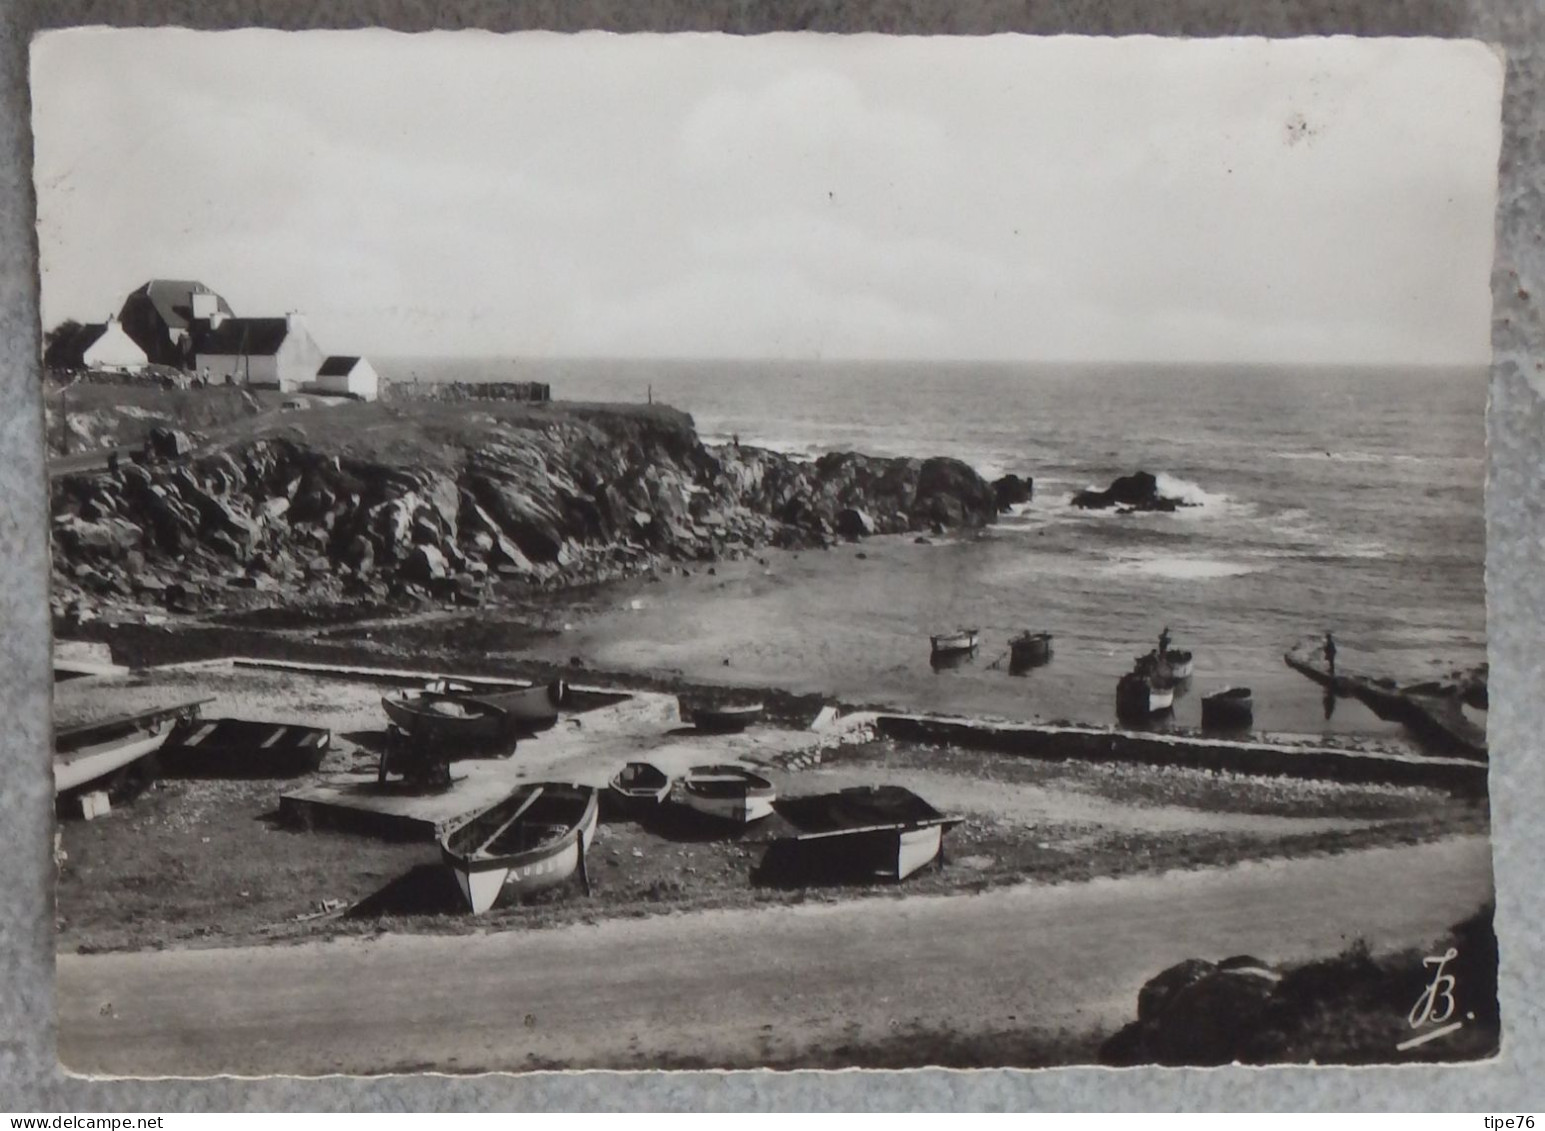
{"x": 398, "y": 507}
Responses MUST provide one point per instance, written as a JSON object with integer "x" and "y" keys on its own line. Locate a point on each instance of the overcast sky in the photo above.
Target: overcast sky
{"x": 783, "y": 196}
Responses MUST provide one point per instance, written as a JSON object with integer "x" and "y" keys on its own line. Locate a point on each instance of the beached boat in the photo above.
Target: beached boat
{"x": 1030, "y": 650}
{"x": 1233, "y": 708}
{"x": 731, "y": 793}
{"x": 90, "y": 753}
{"x": 637, "y": 787}
{"x": 953, "y": 643}
{"x": 862, "y": 833}
{"x": 527, "y": 708}
{"x": 238, "y": 748}
{"x": 428, "y": 717}
{"x": 535, "y": 839}
{"x": 724, "y": 717}
{"x": 1138, "y": 698}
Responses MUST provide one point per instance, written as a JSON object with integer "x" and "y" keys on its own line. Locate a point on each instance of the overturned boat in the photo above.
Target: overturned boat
{"x": 638, "y": 787}
{"x": 1029, "y": 650}
{"x": 99, "y": 751}
{"x": 730, "y": 793}
{"x": 426, "y": 716}
{"x": 535, "y": 839}
{"x": 721, "y": 718}
{"x": 1137, "y": 697}
{"x": 240, "y": 748}
{"x": 1233, "y": 708}
{"x": 869, "y": 832}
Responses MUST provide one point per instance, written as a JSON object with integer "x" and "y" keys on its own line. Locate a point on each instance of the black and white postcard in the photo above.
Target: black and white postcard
{"x": 791, "y": 551}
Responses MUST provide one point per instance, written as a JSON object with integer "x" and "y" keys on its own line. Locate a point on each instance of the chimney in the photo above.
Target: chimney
{"x": 294, "y": 320}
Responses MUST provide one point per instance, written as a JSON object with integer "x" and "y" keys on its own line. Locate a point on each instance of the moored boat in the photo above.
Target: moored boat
{"x": 428, "y": 717}
{"x": 637, "y": 787}
{"x": 1233, "y": 708}
{"x": 1030, "y": 650}
{"x": 535, "y": 839}
{"x": 1174, "y": 666}
{"x": 722, "y": 718}
{"x": 1138, "y": 698}
{"x": 730, "y": 793}
{"x": 951, "y": 643}
{"x": 861, "y": 833}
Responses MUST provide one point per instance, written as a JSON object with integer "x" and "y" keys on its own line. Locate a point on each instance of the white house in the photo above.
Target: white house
{"x": 347, "y": 376}
{"x": 111, "y": 348}
{"x": 276, "y": 353}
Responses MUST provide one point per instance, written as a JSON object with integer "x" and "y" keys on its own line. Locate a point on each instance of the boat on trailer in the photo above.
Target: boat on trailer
{"x": 865, "y": 832}
{"x": 1233, "y": 708}
{"x": 533, "y": 840}
{"x": 1030, "y": 650}
{"x": 955, "y": 643}
{"x": 721, "y": 718}
{"x": 90, "y": 752}
{"x": 436, "y": 718}
{"x": 637, "y": 787}
{"x": 1138, "y": 698}
{"x": 730, "y": 793}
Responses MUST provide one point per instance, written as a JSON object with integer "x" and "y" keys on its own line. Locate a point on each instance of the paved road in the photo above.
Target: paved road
{"x": 734, "y": 988}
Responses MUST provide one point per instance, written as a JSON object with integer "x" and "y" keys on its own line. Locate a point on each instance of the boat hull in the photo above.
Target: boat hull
{"x": 1137, "y": 698}
{"x": 488, "y": 881}
{"x": 728, "y": 793}
{"x": 484, "y": 724}
{"x": 860, "y": 834}
{"x": 88, "y": 764}
{"x": 1233, "y": 709}
{"x": 952, "y": 643}
{"x": 1030, "y": 651}
{"x": 720, "y": 720}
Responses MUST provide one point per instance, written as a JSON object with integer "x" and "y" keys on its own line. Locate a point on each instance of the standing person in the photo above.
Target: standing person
{"x": 1330, "y": 653}
{"x": 1164, "y": 639}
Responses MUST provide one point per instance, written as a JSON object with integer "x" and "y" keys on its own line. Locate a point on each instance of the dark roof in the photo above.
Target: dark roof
{"x": 337, "y": 366}
{"x": 173, "y": 299}
{"x": 256, "y": 337}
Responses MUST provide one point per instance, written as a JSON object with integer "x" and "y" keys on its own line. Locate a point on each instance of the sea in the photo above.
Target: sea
{"x": 1347, "y": 500}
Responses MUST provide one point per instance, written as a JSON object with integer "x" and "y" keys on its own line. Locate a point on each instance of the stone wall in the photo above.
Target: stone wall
{"x": 392, "y": 390}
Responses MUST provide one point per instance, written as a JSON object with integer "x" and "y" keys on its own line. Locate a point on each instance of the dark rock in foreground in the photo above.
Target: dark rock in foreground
{"x": 448, "y": 502}
{"x": 1137, "y": 492}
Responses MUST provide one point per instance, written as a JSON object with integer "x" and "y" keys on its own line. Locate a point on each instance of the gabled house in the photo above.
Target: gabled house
{"x": 347, "y": 376}
{"x": 159, "y": 317}
{"x": 275, "y": 353}
{"x": 96, "y": 345}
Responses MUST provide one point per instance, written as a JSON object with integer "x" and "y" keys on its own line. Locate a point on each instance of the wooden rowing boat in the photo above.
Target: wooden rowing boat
{"x": 92, "y": 752}
{"x": 1233, "y": 708}
{"x": 1138, "y": 698}
{"x": 637, "y": 787}
{"x": 951, "y": 643}
{"x": 533, "y": 840}
{"x": 721, "y": 718}
{"x": 730, "y": 793}
{"x": 427, "y": 717}
{"x": 1175, "y": 666}
{"x": 1029, "y": 650}
{"x": 239, "y": 748}
{"x": 527, "y": 708}
{"x": 883, "y": 832}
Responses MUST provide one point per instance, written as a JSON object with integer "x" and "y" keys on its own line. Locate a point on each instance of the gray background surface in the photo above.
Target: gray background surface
{"x": 29, "y": 1076}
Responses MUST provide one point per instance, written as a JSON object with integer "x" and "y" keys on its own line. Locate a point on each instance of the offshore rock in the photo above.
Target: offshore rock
{"x": 1137, "y": 492}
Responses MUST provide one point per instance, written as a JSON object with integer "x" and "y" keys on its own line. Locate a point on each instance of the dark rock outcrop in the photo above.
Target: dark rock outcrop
{"x": 1136, "y": 492}
{"x": 568, "y": 497}
{"x": 1011, "y": 491}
